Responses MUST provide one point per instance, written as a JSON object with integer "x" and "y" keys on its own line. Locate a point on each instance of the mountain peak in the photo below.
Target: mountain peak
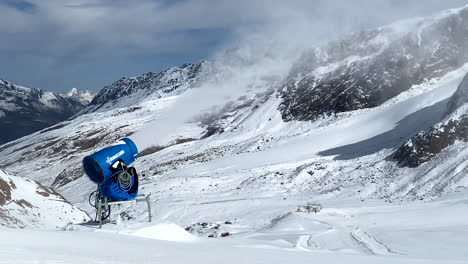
{"x": 72, "y": 92}
{"x": 129, "y": 90}
{"x": 85, "y": 97}
{"x": 36, "y": 109}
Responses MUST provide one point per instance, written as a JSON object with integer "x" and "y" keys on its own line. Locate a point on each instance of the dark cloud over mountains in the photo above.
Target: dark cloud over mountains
{"x": 56, "y": 44}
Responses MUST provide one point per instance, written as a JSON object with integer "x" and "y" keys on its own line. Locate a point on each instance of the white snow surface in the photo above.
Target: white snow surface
{"x": 26, "y": 204}
{"x": 162, "y": 231}
{"x": 47, "y": 99}
{"x": 344, "y": 231}
{"x": 85, "y": 97}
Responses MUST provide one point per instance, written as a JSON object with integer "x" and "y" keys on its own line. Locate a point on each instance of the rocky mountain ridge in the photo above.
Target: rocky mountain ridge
{"x": 172, "y": 81}
{"x": 427, "y": 144}
{"x": 25, "y": 110}
{"x": 369, "y": 68}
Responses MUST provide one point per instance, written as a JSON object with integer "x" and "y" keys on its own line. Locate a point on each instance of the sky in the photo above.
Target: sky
{"x": 60, "y": 44}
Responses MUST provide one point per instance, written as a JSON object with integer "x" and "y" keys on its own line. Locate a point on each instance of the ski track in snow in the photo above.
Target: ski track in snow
{"x": 355, "y": 232}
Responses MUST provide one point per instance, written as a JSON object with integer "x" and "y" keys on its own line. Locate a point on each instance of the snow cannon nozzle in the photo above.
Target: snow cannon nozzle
{"x": 109, "y": 169}
{"x": 101, "y": 165}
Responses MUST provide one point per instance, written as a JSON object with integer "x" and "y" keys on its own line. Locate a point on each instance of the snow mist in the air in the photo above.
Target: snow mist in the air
{"x": 260, "y": 56}
{"x": 254, "y": 65}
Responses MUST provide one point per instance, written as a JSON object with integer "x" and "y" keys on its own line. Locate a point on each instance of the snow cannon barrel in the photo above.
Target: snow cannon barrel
{"x": 98, "y": 166}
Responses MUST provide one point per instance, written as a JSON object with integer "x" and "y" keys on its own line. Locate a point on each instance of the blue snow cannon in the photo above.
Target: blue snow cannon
{"x": 98, "y": 166}
{"x": 109, "y": 169}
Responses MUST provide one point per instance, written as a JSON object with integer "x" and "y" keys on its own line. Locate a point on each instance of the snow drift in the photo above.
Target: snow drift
{"x": 27, "y": 204}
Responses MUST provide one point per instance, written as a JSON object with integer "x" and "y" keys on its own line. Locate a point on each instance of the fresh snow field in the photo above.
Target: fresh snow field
{"x": 352, "y": 232}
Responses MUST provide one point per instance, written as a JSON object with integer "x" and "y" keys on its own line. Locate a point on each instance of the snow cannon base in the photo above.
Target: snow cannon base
{"x": 103, "y": 206}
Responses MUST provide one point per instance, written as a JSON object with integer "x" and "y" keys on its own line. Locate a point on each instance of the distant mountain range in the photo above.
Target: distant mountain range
{"x": 26, "y": 110}
{"x": 85, "y": 97}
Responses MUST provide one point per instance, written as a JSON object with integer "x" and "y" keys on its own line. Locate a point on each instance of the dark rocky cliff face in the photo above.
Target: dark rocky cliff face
{"x": 26, "y": 110}
{"x": 427, "y": 144}
{"x": 370, "y": 68}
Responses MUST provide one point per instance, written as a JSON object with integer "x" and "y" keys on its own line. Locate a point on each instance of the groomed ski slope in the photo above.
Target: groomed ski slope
{"x": 361, "y": 233}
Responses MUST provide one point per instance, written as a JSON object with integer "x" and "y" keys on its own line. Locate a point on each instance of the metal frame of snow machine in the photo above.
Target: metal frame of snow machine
{"x": 103, "y": 206}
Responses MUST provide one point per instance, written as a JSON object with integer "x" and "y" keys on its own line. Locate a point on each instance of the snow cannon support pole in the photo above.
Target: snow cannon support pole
{"x": 103, "y": 204}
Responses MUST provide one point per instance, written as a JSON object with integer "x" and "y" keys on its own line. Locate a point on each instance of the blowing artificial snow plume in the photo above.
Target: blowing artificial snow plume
{"x": 258, "y": 64}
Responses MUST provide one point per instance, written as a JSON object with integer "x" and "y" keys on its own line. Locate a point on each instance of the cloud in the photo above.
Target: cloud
{"x": 56, "y": 34}
{"x": 159, "y": 25}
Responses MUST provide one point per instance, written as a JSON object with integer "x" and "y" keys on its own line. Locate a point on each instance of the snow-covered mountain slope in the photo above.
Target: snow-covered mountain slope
{"x": 27, "y": 204}
{"x": 172, "y": 81}
{"x": 85, "y": 97}
{"x": 54, "y": 154}
{"x": 248, "y": 158}
{"x": 452, "y": 129}
{"x": 35, "y": 108}
{"x": 369, "y": 68}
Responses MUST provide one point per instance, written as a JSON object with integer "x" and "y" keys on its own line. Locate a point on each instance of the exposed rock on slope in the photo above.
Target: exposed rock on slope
{"x": 369, "y": 68}
{"x": 25, "y": 203}
{"x": 147, "y": 86}
{"x": 454, "y": 127}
